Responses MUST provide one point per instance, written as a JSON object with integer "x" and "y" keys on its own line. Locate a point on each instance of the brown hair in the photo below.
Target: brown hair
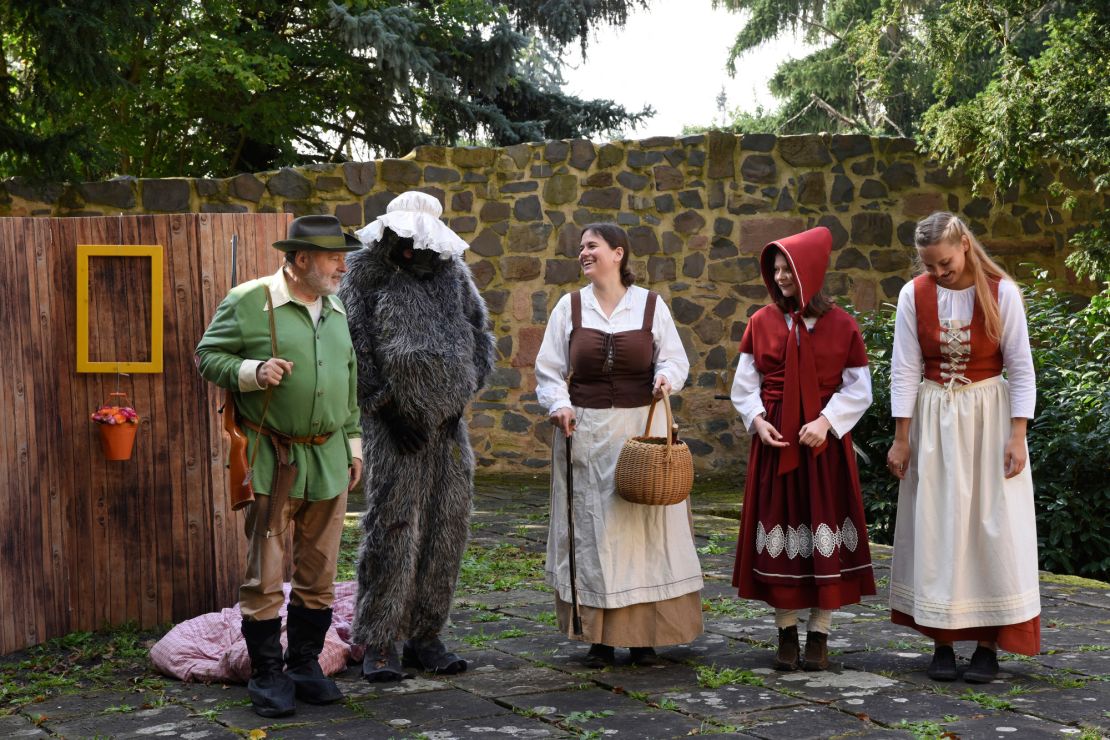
{"x": 615, "y": 237}
{"x": 818, "y": 305}
{"x": 943, "y": 226}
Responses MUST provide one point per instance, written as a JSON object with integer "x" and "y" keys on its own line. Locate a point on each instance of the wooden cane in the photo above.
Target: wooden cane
{"x": 576, "y": 620}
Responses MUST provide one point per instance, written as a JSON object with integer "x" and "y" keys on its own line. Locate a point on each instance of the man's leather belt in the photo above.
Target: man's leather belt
{"x": 315, "y": 439}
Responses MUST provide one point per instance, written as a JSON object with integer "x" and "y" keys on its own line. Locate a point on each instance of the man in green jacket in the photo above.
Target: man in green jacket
{"x": 281, "y": 344}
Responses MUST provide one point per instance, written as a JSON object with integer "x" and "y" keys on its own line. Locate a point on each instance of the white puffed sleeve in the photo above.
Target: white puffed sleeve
{"x": 905, "y": 360}
{"x": 848, "y": 405}
{"x": 669, "y": 355}
{"x": 746, "y": 385}
{"x": 1017, "y": 358}
{"x": 553, "y": 359}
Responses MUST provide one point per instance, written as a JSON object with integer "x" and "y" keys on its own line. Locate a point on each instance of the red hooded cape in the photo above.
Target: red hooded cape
{"x": 808, "y": 255}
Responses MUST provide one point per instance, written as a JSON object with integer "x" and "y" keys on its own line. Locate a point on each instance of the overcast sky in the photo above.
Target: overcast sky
{"x": 672, "y": 57}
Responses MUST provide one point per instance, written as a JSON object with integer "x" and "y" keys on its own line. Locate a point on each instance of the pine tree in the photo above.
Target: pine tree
{"x": 155, "y": 88}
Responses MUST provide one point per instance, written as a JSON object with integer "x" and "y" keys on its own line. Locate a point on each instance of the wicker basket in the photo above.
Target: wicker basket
{"x": 655, "y": 470}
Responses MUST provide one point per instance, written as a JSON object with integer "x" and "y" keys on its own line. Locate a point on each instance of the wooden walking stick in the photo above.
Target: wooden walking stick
{"x": 576, "y": 620}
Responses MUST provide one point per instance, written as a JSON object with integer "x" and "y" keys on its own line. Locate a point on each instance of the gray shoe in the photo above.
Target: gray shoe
{"x": 380, "y": 665}
{"x": 431, "y": 655}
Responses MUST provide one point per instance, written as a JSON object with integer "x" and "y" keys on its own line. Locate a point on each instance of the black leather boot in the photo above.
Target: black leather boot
{"x": 432, "y": 656}
{"x": 270, "y": 690}
{"x": 984, "y": 666}
{"x": 600, "y": 656}
{"x": 644, "y": 656}
{"x": 306, "y": 630}
{"x": 943, "y": 665}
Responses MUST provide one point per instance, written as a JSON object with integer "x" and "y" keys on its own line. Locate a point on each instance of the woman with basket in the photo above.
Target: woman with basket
{"x": 608, "y": 349}
{"x": 802, "y": 374}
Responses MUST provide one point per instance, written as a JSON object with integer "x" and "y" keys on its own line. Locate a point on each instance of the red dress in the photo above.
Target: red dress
{"x": 803, "y": 535}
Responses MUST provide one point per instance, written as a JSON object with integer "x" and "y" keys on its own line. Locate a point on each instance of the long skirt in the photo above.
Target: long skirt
{"x": 636, "y": 565}
{"x": 965, "y": 539}
{"x": 803, "y": 535}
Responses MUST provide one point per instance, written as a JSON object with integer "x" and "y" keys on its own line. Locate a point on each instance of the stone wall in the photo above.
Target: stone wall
{"x": 698, "y": 210}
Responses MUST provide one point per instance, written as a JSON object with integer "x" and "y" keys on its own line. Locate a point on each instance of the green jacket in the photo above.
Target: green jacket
{"x": 317, "y": 397}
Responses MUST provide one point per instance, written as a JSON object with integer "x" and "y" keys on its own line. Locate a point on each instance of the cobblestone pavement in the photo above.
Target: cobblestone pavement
{"x": 525, "y": 680}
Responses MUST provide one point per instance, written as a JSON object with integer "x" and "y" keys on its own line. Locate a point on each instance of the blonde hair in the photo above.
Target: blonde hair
{"x": 946, "y": 227}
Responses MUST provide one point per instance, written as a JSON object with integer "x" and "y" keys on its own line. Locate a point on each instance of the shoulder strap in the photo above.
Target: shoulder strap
{"x": 273, "y": 327}
{"x": 269, "y": 389}
{"x": 925, "y": 306}
{"x": 649, "y": 311}
{"x": 576, "y": 310}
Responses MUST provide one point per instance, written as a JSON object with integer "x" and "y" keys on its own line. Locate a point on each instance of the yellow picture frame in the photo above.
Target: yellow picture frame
{"x": 154, "y": 252}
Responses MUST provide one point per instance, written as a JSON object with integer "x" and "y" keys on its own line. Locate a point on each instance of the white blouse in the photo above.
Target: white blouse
{"x": 843, "y": 411}
{"x": 906, "y": 363}
{"x": 553, "y": 360}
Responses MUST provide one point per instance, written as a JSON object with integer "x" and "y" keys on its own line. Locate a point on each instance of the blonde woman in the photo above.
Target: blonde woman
{"x": 965, "y": 541}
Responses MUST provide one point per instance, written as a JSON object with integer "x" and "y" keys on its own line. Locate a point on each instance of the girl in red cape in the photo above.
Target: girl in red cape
{"x": 965, "y": 539}
{"x": 802, "y": 375}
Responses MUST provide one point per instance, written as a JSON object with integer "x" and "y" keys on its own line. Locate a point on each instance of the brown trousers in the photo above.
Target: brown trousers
{"x": 317, "y": 527}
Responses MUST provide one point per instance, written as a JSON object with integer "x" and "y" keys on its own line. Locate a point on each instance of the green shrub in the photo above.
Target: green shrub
{"x": 874, "y": 433}
{"x": 1069, "y": 440}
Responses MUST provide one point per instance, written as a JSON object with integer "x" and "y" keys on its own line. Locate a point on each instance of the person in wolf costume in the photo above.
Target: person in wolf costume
{"x": 423, "y": 349}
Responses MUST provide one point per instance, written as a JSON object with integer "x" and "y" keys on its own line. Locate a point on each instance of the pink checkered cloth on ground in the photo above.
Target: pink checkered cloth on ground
{"x": 211, "y": 647}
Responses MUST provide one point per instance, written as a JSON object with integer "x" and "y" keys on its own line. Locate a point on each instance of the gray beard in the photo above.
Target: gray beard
{"x": 315, "y": 281}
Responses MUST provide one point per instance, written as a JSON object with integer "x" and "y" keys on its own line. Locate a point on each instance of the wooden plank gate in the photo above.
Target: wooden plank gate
{"x": 84, "y": 542}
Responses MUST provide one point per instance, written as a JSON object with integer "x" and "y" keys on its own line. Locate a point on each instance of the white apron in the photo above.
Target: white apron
{"x": 624, "y": 553}
{"x": 965, "y": 540}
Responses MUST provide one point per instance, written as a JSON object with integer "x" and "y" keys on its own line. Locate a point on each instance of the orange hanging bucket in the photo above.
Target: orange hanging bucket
{"x": 117, "y": 441}
{"x": 117, "y": 423}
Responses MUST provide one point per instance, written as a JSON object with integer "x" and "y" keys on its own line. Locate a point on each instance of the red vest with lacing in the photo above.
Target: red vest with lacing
{"x": 965, "y": 355}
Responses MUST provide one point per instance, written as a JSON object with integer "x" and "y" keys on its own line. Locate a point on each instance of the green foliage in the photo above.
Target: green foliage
{"x": 985, "y": 700}
{"x": 712, "y": 677}
{"x": 996, "y": 88}
{"x": 80, "y": 661}
{"x": 1091, "y": 257}
{"x": 865, "y": 77}
{"x": 874, "y": 433}
{"x": 1046, "y": 100}
{"x": 1069, "y": 440}
{"x": 499, "y": 568}
{"x": 923, "y": 730}
{"x": 720, "y": 543}
{"x": 171, "y": 87}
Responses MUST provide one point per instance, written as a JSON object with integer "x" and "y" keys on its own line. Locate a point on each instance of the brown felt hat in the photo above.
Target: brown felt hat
{"x": 317, "y": 233}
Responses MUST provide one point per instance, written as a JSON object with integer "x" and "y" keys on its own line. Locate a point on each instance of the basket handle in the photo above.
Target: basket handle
{"x": 670, "y": 419}
{"x": 120, "y": 393}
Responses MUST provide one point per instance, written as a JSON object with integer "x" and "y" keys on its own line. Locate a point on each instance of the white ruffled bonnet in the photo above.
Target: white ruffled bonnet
{"x": 415, "y": 215}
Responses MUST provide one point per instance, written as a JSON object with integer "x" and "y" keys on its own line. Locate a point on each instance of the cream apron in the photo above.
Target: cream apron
{"x": 624, "y": 553}
{"x": 965, "y": 541}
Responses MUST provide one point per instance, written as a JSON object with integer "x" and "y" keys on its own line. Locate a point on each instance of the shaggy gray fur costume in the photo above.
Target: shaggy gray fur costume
{"x": 424, "y": 350}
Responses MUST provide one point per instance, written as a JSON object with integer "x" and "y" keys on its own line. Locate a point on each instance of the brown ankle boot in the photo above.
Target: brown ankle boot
{"x": 817, "y": 651}
{"x": 786, "y": 659}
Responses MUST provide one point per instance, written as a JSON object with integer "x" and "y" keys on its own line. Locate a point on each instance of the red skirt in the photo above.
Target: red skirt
{"x": 803, "y": 535}
{"x": 1023, "y": 638}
